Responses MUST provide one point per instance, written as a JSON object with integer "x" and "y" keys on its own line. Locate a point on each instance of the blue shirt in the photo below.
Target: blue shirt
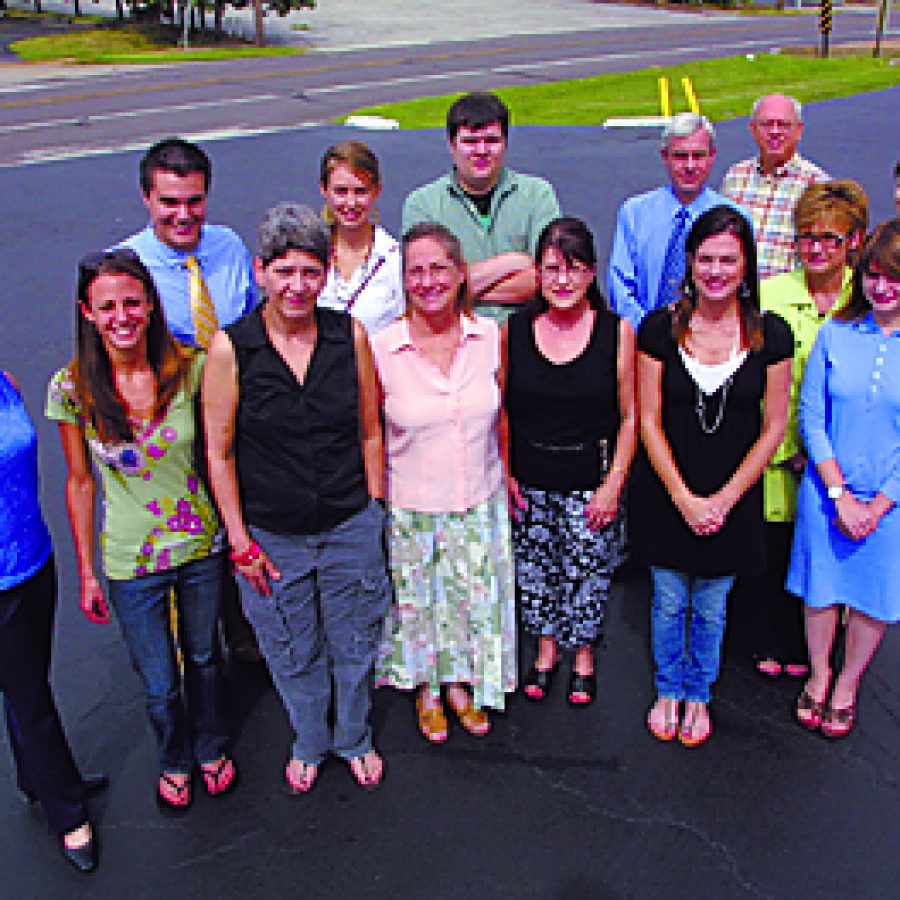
{"x": 850, "y": 405}
{"x": 24, "y": 539}
{"x": 227, "y": 270}
{"x": 643, "y": 228}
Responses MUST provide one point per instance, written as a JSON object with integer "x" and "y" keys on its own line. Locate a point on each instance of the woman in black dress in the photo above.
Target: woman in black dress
{"x": 713, "y": 378}
{"x": 572, "y": 423}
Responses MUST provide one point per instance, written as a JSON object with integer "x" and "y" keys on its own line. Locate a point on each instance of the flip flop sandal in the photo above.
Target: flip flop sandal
{"x": 173, "y": 797}
{"x": 360, "y": 770}
{"x": 307, "y": 780}
{"x": 690, "y": 736}
{"x": 219, "y": 777}
{"x": 667, "y": 729}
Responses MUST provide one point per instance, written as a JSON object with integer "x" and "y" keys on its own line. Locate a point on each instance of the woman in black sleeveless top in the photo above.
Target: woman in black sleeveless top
{"x": 290, "y": 403}
{"x": 569, "y": 398}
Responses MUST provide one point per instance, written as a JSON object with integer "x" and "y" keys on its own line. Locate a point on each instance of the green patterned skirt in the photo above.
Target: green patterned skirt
{"x": 453, "y": 617}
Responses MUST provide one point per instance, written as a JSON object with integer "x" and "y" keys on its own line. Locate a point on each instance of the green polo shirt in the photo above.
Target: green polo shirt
{"x": 521, "y": 207}
{"x": 788, "y": 296}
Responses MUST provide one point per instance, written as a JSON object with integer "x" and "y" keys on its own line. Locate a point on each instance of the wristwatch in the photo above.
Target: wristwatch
{"x": 835, "y": 491}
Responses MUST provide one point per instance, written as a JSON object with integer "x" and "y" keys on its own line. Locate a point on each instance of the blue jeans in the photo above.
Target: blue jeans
{"x": 687, "y": 665}
{"x": 323, "y": 622}
{"x": 187, "y": 724}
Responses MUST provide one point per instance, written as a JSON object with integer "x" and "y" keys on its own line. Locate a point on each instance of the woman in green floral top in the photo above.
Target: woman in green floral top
{"x": 126, "y": 403}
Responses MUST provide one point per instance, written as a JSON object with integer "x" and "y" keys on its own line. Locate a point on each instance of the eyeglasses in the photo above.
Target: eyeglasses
{"x": 875, "y": 278}
{"x": 827, "y": 240}
{"x": 575, "y": 271}
{"x": 90, "y": 265}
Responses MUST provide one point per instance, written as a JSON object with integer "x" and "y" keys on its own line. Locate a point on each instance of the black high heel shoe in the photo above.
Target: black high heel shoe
{"x": 537, "y": 683}
{"x": 84, "y": 858}
{"x": 585, "y": 685}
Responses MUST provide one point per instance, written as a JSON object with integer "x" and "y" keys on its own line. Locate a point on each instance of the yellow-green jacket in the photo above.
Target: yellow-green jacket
{"x": 788, "y": 296}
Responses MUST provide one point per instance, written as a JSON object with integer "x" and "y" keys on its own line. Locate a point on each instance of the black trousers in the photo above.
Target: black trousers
{"x": 44, "y": 765}
{"x": 768, "y": 620}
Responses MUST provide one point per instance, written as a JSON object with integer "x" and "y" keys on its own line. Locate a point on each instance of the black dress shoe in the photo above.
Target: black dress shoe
{"x": 582, "y": 684}
{"x": 537, "y": 683}
{"x": 94, "y": 783}
{"x": 84, "y": 858}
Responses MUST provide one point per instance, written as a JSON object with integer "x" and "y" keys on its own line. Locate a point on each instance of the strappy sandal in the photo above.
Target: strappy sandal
{"x": 537, "y": 683}
{"x": 304, "y": 784}
{"x": 808, "y": 711}
{"x": 689, "y": 734}
{"x": 173, "y": 797}
{"x": 432, "y": 722}
{"x": 219, "y": 776}
{"x": 662, "y": 726}
{"x": 582, "y": 689}
{"x": 838, "y": 723}
{"x": 475, "y": 721}
{"x": 360, "y": 769}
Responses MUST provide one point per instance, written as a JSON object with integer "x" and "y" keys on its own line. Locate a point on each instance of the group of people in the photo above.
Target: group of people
{"x": 348, "y": 449}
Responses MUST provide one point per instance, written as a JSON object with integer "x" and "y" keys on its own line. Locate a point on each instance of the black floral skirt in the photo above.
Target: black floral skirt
{"x": 563, "y": 569}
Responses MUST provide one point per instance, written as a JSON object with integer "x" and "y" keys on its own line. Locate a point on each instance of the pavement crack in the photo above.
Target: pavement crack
{"x": 224, "y": 849}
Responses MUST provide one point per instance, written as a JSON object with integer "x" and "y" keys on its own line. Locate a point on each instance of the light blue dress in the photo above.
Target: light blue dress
{"x": 850, "y": 410}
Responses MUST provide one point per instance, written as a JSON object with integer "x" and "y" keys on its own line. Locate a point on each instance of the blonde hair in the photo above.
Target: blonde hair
{"x": 843, "y": 201}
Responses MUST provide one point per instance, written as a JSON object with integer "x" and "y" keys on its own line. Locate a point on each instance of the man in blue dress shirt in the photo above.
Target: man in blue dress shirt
{"x": 175, "y": 176}
{"x": 647, "y": 261}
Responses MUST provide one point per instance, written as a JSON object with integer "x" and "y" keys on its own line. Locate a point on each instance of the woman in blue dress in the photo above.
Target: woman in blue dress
{"x": 848, "y": 527}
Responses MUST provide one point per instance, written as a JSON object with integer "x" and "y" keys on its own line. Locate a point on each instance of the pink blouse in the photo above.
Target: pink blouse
{"x": 440, "y": 429}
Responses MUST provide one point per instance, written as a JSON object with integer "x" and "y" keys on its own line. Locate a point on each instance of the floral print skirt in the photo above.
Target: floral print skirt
{"x": 453, "y": 616}
{"x": 563, "y": 569}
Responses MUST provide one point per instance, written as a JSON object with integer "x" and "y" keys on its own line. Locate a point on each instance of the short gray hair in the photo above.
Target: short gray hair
{"x": 798, "y": 108}
{"x": 293, "y": 226}
{"x": 684, "y": 125}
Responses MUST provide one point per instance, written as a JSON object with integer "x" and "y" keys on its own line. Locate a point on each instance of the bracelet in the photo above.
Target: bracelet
{"x": 248, "y": 557}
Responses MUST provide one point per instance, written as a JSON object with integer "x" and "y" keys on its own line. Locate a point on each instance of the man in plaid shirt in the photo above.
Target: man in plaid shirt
{"x": 768, "y": 186}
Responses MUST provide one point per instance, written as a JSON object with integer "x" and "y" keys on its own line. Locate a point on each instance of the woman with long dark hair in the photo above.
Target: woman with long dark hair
{"x": 572, "y": 424}
{"x": 126, "y": 404}
{"x": 713, "y": 382}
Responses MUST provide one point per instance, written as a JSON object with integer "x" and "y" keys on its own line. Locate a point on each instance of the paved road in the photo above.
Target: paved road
{"x": 124, "y": 108}
{"x": 554, "y": 804}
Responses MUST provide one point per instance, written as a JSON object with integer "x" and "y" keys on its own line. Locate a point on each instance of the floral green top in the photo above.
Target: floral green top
{"x": 157, "y": 514}
{"x": 788, "y": 296}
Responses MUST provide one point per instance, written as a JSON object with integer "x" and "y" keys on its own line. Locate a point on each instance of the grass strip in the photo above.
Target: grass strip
{"x": 125, "y": 45}
{"x": 726, "y": 89}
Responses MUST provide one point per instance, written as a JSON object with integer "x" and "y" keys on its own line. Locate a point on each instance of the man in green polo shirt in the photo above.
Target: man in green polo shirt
{"x": 496, "y": 213}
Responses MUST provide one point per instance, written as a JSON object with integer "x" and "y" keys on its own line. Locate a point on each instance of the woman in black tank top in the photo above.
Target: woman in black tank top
{"x": 569, "y": 401}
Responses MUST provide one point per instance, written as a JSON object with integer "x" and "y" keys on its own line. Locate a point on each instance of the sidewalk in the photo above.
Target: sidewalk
{"x": 365, "y": 24}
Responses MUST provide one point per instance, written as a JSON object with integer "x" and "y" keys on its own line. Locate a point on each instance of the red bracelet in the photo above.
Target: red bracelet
{"x": 248, "y": 557}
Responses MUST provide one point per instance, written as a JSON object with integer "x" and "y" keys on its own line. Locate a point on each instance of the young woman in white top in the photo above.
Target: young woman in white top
{"x": 364, "y": 277}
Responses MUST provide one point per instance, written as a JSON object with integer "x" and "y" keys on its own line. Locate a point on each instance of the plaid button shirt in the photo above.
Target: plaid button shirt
{"x": 770, "y": 200}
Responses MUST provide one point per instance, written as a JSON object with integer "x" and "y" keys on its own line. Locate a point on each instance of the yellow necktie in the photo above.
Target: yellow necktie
{"x": 203, "y": 313}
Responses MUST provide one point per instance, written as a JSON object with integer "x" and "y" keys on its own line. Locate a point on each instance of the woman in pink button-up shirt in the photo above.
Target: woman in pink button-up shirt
{"x": 453, "y": 620}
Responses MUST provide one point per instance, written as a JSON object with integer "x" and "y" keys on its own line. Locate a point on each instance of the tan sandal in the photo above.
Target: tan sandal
{"x": 432, "y": 722}
{"x": 475, "y": 721}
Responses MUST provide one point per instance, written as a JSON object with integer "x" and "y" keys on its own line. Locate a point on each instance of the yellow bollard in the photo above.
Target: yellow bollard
{"x": 691, "y": 96}
{"x": 665, "y": 106}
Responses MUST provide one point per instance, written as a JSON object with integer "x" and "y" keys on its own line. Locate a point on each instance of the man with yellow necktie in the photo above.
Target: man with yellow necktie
{"x": 204, "y": 275}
